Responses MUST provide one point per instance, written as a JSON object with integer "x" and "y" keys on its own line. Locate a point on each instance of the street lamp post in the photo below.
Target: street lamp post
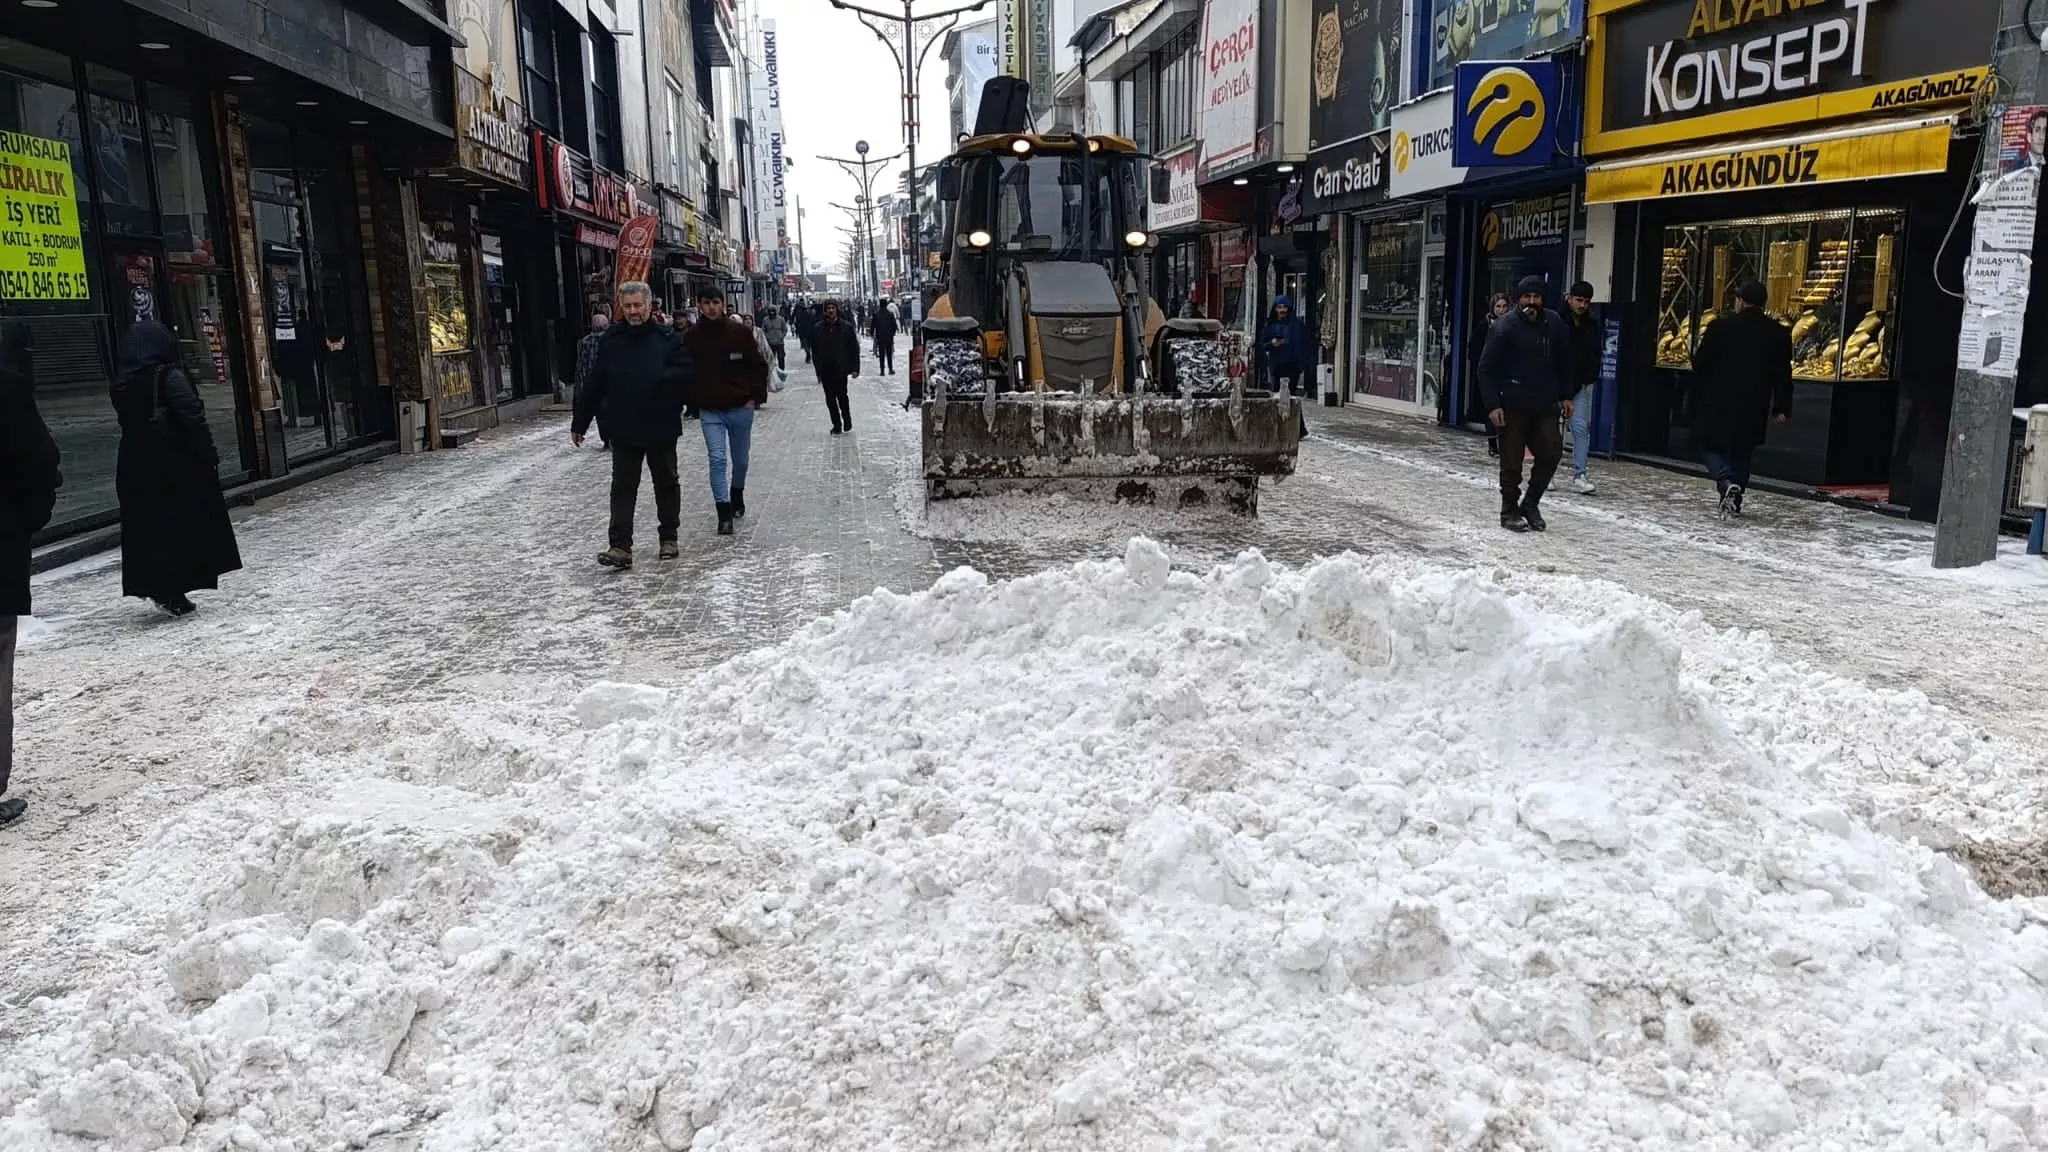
{"x": 919, "y": 33}
{"x": 863, "y": 170}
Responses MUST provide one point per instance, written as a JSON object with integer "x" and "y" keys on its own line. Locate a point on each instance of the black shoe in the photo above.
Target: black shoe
{"x": 739, "y": 503}
{"x": 11, "y": 808}
{"x": 1533, "y": 518}
{"x": 1513, "y": 522}
{"x": 836, "y": 429}
{"x": 725, "y": 518}
{"x": 1731, "y": 500}
{"x": 179, "y": 605}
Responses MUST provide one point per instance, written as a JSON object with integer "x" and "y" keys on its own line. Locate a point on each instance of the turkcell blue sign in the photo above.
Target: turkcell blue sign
{"x": 1507, "y": 113}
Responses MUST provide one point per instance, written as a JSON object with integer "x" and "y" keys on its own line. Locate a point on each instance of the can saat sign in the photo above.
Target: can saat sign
{"x": 1506, "y": 114}
{"x": 1358, "y": 177}
{"x": 1670, "y": 70}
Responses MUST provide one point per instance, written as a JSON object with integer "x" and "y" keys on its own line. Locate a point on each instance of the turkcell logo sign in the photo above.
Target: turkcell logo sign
{"x": 1506, "y": 113}
{"x": 1425, "y": 136}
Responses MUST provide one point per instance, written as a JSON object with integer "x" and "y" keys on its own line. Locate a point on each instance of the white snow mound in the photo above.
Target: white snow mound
{"x": 1362, "y": 856}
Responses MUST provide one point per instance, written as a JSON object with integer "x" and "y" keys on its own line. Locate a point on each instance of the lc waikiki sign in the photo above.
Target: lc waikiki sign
{"x": 1662, "y": 72}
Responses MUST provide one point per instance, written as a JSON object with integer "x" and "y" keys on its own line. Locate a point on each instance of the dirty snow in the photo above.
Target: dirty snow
{"x": 1367, "y": 854}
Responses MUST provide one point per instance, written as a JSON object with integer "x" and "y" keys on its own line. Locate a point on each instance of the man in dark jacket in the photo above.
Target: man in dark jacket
{"x": 837, "y": 351}
{"x": 1588, "y": 342}
{"x": 636, "y": 392}
{"x": 884, "y": 328}
{"x": 1744, "y": 371}
{"x": 805, "y": 321}
{"x": 586, "y": 353}
{"x": 732, "y": 381}
{"x": 1525, "y": 379}
{"x": 28, "y": 494}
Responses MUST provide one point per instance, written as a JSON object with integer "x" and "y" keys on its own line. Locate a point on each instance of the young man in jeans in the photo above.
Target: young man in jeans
{"x": 1743, "y": 368}
{"x": 1525, "y": 378}
{"x": 1587, "y": 342}
{"x": 638, "y": 383}
{"x": 732, "y": 381}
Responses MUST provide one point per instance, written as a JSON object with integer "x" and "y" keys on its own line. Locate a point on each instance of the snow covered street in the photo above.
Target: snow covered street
{"x": 428, "y": 834}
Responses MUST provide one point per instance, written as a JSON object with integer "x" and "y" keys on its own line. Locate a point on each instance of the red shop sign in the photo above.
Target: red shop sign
{"x": 569, "y": 182}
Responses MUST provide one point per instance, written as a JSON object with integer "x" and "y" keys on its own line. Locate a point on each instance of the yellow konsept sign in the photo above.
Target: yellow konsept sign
{"x": 41, "y": 256}
{"x": 1789, "y": 163}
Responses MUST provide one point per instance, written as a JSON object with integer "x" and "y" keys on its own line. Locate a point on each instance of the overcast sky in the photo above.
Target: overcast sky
{"x": 840, "y": 84}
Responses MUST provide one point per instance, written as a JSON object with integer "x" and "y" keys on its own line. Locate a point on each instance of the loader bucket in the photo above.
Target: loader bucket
{"x": 1147, "y": 448}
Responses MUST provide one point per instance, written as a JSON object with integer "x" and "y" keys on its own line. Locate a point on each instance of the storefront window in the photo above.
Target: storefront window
{"x": 1829, "y": 277}
{"x": 120, "y": 157}
{"x": 181, "y": 181}
{"x": 198, "y": 311}
{"x": 1386, "y": 341}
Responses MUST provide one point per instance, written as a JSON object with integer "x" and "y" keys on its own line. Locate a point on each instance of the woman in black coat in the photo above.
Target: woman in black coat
{"x": 28, "y": 494}
{"x": 175, "y": 535}
{"x": 883, "y": 327}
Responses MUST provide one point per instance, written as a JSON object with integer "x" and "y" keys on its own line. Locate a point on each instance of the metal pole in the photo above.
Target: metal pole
{"x": 1980, "y": 421}
{"x": 912, "y": 58}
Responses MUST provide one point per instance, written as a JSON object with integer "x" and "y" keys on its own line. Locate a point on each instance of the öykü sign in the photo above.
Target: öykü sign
{"x": 1669, "y": 71}
{"x": 1229, "y": 96}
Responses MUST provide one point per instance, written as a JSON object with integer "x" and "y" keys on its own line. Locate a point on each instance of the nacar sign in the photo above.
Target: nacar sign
{"x": 1667, "y": 71}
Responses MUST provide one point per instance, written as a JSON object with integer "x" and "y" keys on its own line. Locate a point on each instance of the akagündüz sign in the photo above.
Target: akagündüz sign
{"x": 1674, "y": 70}
{"x": 1352, "y": 176}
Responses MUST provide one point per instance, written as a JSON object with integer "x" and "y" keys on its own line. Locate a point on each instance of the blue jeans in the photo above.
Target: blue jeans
{"x": 1582, "y": 431}
{"x": 1727, "y": 467}
{"x": 733, "y": 427}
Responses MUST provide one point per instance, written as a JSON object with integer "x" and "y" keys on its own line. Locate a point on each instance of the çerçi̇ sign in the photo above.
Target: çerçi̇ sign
{"x": 1788, "y": 164}
{"x": 1673, "y": 70}
{"x": 41, "y": 256}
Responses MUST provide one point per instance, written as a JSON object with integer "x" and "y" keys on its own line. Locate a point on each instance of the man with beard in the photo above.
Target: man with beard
{"x": 1526, "y": 381}
{"x": 637, "y": 387}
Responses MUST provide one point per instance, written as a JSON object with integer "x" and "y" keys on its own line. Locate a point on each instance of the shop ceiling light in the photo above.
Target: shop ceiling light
{"x": 38, "y": 3}
{"x": 154, "y": 46}
{"x": 240, "y": 77}
{"x": 1241, "y": 181}
{"x": 309, "y": 103}
{"x": 1284, "y": 169}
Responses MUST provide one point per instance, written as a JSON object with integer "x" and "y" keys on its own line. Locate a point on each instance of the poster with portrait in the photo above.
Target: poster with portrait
{"x": 1356, "y": 57}
{"x": 2022, "y": 138}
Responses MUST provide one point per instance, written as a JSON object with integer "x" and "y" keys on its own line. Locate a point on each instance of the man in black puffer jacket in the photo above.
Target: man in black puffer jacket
{"x": 638, "y": 384}
{"x": 1527, "y": 381}
{"x": 28, "y": 493}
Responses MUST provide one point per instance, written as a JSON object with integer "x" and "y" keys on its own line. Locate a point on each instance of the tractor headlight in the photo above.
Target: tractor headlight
{"x": 1020, "y": 146}
{"x": 1136, "y": 239}
{"x": 979, "y": 239}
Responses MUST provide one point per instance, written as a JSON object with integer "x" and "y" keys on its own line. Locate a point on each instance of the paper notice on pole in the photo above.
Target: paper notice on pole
{"x": 1989, "y": 342}
{"x": 1999, "y": 274}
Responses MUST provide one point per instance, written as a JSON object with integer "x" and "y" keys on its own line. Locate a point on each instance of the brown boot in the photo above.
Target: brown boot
{"x": 670, "y": 549}
{"x": 620, "y": 558}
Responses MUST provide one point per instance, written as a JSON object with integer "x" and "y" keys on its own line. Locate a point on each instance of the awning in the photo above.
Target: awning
{"x": 1912, "y": 147}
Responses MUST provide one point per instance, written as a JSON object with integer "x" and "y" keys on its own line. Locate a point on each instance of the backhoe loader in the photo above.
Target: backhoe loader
{"x": 1044, "y": 360}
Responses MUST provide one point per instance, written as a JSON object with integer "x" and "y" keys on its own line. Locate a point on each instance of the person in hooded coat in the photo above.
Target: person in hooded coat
{"x": 1285, "y": 347}
{"x": 175, "y": 534}
{"x": 28, "y": 495}
{"x": 883, "y": 327}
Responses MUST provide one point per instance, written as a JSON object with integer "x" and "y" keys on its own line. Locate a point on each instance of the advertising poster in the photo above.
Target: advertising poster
{"x": 1356, "y": 59}
{"x": 2022, "y": 138}
{"x": 980, "y": 62}
{"x": 41, "y": 255}
{"x": 1999, "y": 274}
{"x": 1229, "y": 95}
{"x": 636, "y": 249}
{"x": 1462, "y": 30}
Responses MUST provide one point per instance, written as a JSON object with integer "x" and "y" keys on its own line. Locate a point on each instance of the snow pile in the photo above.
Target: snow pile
{"x": 1363, "y": 856}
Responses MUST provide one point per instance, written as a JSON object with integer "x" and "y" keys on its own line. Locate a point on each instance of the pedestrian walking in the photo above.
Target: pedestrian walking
{"x": 1285, "y": 348}
{"x": 883, "y": 327}
{"x": 767, "y": 357}
{"x": 175, "y": 534}
{"x": 636, "y": 393}
{"x": 29, "y": 480}
{"x": 732, "y": 381}
{"x": 806, "y": 324}
{"x": 1743, "y": 368}
{"x": 1587, "y": 342}
{"x": 1496, "y": 308}
{"x": 776, "y": 329}
{"x": 586, "y": 355}
{"x": 838, "y": 360}
{"x": 1525, "y": 376}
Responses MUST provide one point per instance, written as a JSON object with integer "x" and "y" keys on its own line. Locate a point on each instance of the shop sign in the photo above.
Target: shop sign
{"x": 674, "y": 219}
{"x": 597, "y": 238}
{"x": 1183, "y": 200}
{"x": 1888, "y": 150}
{"x": 1353, "y": 176}
{"x": 490, "y": 131}
{"x": 569, "y": 182}
{"x": 41, "y": 254}
{"x": 1462, "y": 30}
{"x": 1355, "y": 69}
{"x": 1515, "y": 227}
{"x": 1664, "y": 71}
{"x": 1422, "y": 147}
{"x": 1229, "y": 113}
{"x": 1505, "y": 113}
{"x": 437, "y": 242}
